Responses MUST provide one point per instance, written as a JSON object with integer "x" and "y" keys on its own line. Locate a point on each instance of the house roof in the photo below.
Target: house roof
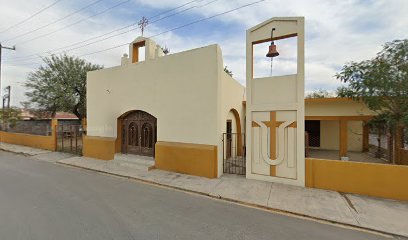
{"x": 325, "y": 100}
{"x": 65, "y": 115}
{"x": 27, "y": 114}
{"x": 332, "y": 99}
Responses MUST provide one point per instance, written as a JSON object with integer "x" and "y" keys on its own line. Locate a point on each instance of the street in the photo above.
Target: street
{"x": 43, "y": 200}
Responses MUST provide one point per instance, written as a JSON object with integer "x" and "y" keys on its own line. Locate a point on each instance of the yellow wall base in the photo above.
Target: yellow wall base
{"x": 378, "y": 180}
{"x": 193, "y": 159}
{"x": 98, "y": 147}
{"x": 36, "y": 141}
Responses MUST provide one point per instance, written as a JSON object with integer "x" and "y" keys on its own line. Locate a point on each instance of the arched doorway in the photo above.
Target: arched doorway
{"x": 233, "y": 127}
{"x": 234, "y": 151}
{"x": 139, "y": 133}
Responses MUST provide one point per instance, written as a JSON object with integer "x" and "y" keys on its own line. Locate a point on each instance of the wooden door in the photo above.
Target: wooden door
{"x": 139, "y": 134}
{"x": 133, "y": 137}
{"x": 147, "y": 137}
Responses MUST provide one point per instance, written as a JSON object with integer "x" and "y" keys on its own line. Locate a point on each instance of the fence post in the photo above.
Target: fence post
{"x": 84, "y": 124}
{"x": 54, "y": 125}
{"x": 398, "y": 143}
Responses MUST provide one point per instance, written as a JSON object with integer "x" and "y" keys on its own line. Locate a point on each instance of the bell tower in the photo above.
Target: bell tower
{"x": 275, "y": 108}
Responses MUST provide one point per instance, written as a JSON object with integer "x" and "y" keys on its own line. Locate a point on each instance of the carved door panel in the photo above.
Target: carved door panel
{"x": 147, "y": 137}
{"x": 133, "y": 137}
{"x": 139, "y": 134}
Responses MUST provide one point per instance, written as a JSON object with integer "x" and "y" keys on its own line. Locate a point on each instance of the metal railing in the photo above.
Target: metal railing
{"x": 234, "y": 151}
{"x": 69, "y": 138}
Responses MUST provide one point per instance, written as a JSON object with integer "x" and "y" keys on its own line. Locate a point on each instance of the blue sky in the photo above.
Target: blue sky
{"x": 336, "y": 32}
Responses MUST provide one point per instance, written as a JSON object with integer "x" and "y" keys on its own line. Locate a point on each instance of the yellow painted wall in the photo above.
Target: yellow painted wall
{"x": 378, "y": 180}
{"x": 335, "y": 107}
{"x": 36, "y": 141}
{"x": 329, "y": 135}
{"x": 193, "y": 159}
{"x": 355, "y": 136}
{"x": 98, "y": 147}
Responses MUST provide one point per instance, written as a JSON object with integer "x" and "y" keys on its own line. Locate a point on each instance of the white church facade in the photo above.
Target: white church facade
{"x": 188, "y": 115}
{"x": 173, "y": 108}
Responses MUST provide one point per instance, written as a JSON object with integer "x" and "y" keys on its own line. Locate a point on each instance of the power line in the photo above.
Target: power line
{"x": 74, "y": 23}
{"x": 135, "y": 28}
{"x": 58, "y": 20}
{"x": 170, "y": 10}
{"x": 30, "y": 17}
{"x": 177, "y": 28}
{"x": 36, "y": 55}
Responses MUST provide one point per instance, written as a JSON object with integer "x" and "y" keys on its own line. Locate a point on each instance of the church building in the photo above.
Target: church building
{"x": 173, "y": 108}
{"x": 183, "y": 112}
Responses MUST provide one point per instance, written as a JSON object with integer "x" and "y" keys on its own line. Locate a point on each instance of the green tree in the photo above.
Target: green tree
{"x": 382, "y": 83}
{"x": 9, "y": 117}
{"x": 319, "y": 93}
{"x": 60, "y": 85}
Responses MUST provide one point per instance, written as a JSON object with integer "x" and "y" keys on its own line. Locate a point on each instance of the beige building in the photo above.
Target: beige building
{"x": 188, "y": 115}
{"x": 171, "y": 107}
{"x": 337, "y": 124}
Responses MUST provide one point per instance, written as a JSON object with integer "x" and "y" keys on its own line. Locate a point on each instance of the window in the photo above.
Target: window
{"x": 312, "y": 127}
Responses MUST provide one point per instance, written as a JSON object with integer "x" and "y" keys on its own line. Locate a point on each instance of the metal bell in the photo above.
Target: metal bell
{"x": 272, "y": 51}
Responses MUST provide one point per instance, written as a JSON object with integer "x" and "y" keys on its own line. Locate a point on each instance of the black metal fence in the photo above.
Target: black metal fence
{"x": 234, "y": 151}
{"x": 69, "y": 138}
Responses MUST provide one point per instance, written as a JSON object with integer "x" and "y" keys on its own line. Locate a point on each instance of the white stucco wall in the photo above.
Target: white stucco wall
{"x": 180, "y": 90}
{"x": 355, "y": 136}
{"x": 330, "y": 135}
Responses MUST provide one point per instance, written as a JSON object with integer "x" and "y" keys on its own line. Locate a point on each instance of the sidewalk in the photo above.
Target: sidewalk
{"x": 383, "y": 215}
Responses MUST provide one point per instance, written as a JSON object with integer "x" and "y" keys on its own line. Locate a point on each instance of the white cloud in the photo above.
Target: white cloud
{"x": 336, "y": 32}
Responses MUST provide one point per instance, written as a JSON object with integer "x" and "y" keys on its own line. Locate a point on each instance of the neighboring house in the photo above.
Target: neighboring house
{"x": 27, "y": 114}
{"x": 337, "y": 124}
{"x": 38, "y": 123}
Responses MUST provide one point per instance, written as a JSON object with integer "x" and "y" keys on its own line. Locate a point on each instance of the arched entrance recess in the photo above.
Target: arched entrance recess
{"x": 238, "y": 131}
{"x": 138, "y": 133}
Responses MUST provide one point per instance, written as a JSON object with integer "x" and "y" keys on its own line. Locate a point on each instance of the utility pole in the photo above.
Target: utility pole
{"x": 6, "y": 97}
{"x": 3, "y": 124}
{"x": 9, "y": 48}
{"x": 5, "y": 110}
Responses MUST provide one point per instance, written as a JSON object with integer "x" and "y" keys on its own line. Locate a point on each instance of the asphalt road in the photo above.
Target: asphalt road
{"x": 42, "y": 200}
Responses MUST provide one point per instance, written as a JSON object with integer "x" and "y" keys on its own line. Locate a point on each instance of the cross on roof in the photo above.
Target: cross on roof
{"x": 143, "y": 23}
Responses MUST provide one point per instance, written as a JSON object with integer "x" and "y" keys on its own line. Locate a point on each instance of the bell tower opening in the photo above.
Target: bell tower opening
{"x": 138, "y": 51}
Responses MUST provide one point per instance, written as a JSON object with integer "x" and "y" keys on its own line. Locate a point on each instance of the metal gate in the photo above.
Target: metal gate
{"x": 234, "y": 160}
{"x": 69, "y": 138}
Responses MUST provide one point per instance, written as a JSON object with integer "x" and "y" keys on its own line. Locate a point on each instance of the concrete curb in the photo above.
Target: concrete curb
{"x": 275, "y": 210}
{"x": 19, "y": 153}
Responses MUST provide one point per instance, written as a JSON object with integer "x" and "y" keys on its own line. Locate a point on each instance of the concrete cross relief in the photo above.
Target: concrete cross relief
{"x": 275, "y": 109}
{"x": 274, "y": 144}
